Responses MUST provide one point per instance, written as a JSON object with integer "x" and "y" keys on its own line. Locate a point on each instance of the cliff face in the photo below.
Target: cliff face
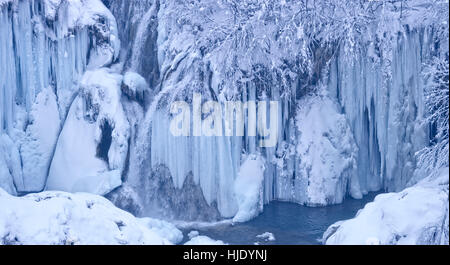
{"x": 347, "y": 78}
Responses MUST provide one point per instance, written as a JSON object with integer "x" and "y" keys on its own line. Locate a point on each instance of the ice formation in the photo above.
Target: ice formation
{"x": 93, "y": 144}
{"x": 204, "y": 240}
{"x": 248, "y": 189}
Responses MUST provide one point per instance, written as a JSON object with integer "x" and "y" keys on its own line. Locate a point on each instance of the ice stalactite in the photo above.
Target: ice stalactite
{"x": 385, "y": 114}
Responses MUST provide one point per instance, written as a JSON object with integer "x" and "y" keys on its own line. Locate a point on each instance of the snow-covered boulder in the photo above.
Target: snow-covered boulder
{"x": 163, "y": 229}
{"x": 204, "y": 240}
{"x": 93, "y": 145}
{"x": 326, "y": 151}
{"x": 248, "y": 188}
{"x": 418, "y": 215}
{"x": 134, "y": 86}
{"x": 61, "y": 218}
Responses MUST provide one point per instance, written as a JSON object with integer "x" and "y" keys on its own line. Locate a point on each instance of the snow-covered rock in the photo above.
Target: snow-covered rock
{"x": 417, "y": 215}
{"x": 164, "y": 229}
{"x": 38, "y": 144}
{"x": 134, "y": 86}
{"x": 204, "y": 240}
{"x": 92, "y": 148}
{"x": 248, "y": 188}
{"x": 267, "y": 236}
{"x": 82, "y": 219}
{"x": 193, "y": 234}
{"x": 10, "y": 171}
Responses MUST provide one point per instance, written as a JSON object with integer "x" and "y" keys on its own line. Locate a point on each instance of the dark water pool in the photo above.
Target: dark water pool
{"x": 290, "y": 223}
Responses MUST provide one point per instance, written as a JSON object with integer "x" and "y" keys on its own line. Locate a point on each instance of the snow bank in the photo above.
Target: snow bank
{"x": 326, "y": 151}
{"x": 248, "y": 188}
{"x": 93, "y": 145}
{"x": 204, "y": 240}
{"x": 61, "y": 218}
{"x": 417, "y": 215}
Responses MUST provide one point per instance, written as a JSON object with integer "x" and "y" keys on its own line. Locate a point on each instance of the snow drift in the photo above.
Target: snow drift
{"x": 416, "y": 216}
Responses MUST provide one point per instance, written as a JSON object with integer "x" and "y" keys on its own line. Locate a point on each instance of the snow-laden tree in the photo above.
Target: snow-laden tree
{"x": 435, "y": 156}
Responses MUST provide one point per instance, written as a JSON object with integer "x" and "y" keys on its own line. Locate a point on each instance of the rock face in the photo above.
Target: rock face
{"x": 349, "y": 87}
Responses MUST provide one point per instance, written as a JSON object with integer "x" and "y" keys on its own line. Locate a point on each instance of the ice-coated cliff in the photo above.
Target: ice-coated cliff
{"x": 45, "y": 47}
{"x": 347, "y": 76}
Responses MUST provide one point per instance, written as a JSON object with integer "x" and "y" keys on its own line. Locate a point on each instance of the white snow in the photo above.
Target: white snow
{"x": 10, "y": 171}
{"x": 204, "y": 240}
{"x": 248, "y": 188}
{"x": 267, "y": 236}
{"x": 40, "y": 73}
{"x": 76, "y": 166}
{"x": 193, "y": 234}
{"x": 61, "y": 218}
{"x": 417, "y": 215}
{"x": 163, "y": 229}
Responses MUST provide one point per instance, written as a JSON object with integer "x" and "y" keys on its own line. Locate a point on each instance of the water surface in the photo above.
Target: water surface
{"x": 290, "y": 223}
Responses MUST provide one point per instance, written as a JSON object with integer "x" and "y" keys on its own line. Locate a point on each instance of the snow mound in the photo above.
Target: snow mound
{"x": 248, "y": 188}
{"x": 204, "y": 240}
{"x": 267, "y": 236}
{"x": 10, "y": 171}
{"x": 57, "y": 218}
{"x": 163, "y": 229}
{"x": 418, "y": 215}
{"x": 93, "y": 145}
{"x": 38, "y": 143}
{"x": 326, "y": 151}
{"x": 134, "y": 86}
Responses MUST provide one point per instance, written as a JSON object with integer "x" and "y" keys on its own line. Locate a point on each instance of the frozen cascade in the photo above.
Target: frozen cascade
{"x": 93, "y": 145}
{"x": 235, "y": 57}
{"x": 366, "y": 90}
{"x": 45, "y": 48}
{"x": 385, "y": 116}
